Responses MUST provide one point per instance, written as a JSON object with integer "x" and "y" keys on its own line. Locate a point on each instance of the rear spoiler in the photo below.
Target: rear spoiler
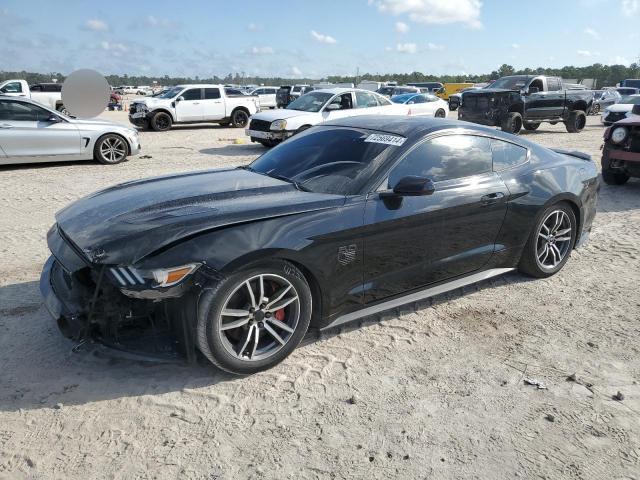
{"x": 573, "y": 153}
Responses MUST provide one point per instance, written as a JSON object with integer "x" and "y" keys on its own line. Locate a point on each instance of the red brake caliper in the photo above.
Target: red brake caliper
{"x": 279, "y": 314}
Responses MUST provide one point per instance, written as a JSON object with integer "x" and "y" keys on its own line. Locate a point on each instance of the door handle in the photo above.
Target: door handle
{"x": 492, "y": 198}
{"x": 5, "y": 125}
{"x": 196, "y": 103}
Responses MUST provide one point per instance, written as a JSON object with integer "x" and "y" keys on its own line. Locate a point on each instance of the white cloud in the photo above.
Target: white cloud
{"x": 115, "y": 47}
{"x": 323, "y": 38}
{"x": 515, "y": 45}
{"x": 435, "y": 47}
{"x": 435, "y": 11}
{"x": 592, "y": 33}
{"x": 630, "y": 7}
{"x": 618, "y": 60}
{"x": 252, "y": 27}
{"x": 585, "y": 53}
{"x": 261, "y": 50}
{"x": 96, "y": 25}
{"x": 406, "y": 48}
{"x": 296, "y": 71}
{"x": 158, "y": 22}
{"x": 402, "y": 27}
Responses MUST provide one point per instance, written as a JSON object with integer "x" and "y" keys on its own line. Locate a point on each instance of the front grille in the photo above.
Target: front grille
{"x": 615, "y": 116}
{"x": 476, "y": 102}
{"x": 259, "y": 125}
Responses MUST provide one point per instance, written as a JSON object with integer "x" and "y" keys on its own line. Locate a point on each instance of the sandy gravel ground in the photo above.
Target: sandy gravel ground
{"x": 436, "y": 391}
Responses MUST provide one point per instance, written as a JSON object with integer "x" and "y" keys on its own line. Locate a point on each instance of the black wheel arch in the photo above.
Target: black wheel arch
{"x": 163, "y": 110}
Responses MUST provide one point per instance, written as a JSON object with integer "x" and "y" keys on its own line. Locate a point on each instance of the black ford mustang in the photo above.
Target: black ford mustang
{"x": 339, "y": 222}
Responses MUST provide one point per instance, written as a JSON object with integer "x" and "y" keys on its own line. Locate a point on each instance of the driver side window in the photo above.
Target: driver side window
{"x": 192, "y": 94}
{"x": 445, "y": 158}
{"x": 13, "y": 87}
{"x": 344, "y": 101}
{"x": 22, "y": 112}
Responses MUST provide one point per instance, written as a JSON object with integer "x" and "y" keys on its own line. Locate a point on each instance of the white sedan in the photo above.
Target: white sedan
{"x": 271, "y": 127}
{"x": 423, "y": 104}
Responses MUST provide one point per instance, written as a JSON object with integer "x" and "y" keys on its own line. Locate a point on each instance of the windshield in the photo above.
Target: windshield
{"x": 511, "y": 83}
{"x": 335, "y": 160}
{"x": 631, "y": 99}
{"x": 172, "y": 92}
{"x": 403, "y": 98}
{"x": 311, "y": 102}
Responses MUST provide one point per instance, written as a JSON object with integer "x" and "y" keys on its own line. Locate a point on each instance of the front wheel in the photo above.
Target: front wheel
{"x": 512, "y": 123}
{"x": 614, "y": 178}
{"x": 440, "y": 113}
{"x": 576, "y": 121}
{"x": 110, "y": 149}
{"x": 253, "y": 319}
{"x": 531, "y": 126}
{"x": 239, "y": 119}
{"x": 161, "y": 122}
{"x": 595, "y": 110}
{"x": 550, "y": 243}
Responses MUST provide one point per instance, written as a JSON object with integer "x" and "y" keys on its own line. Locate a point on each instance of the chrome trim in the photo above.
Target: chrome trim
{"x": 420, "y": 295}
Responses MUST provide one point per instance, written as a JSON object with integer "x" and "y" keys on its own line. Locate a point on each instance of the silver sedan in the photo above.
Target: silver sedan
{"x": 31, "y": 132}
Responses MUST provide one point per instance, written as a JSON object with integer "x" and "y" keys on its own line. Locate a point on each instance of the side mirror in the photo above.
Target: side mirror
{"x": 412, "y": 186}
{"x": 331, "y": 107}
{"x": 180, "y": 98}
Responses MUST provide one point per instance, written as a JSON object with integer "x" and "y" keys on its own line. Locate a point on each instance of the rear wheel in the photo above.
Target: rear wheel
{"x": 614, "y": 178}
{"x": 550, "y": 243}
{"x": 239, "y": 118}
{"x": 453, "y": 107}
{"x": 531, "y": 126}
{"x": 440, "y": 113}
{"x": 161, "y": 122}
{"x": 253, "y": 319}
{"x": 595, "y": 110}
{"x": 110, "y": 149}
{"x": 576, "y": 121}
{"x": 512, "y": 123}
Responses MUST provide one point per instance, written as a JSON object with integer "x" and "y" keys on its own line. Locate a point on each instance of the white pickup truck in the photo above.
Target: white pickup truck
{"x": 48, "y": 94}
{"x": 193, "y": 104}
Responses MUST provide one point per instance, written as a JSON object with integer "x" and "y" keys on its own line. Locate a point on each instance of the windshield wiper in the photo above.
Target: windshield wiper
{"x": 298, "y": 185}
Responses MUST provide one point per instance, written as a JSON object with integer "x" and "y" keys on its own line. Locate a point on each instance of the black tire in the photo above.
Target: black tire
{"x": 216, "y": 345}
{"x": 440, "y": 113}
{"x": 595, "y": 110}
{"x": 576, "y": 121}
{"x": 614, "y": 178}
{"x": 110, "y": 149}
{"x": 531, "y": 126}
{"x": 529, "y": 261}
{"x": 239, "y": 118}
{"x": 268, "y": 143}
{"x": 224, "y": 124}
{"x": 512, "y": 123}
{"x": 453, "y": 107}
{"x": 161, "y": 122}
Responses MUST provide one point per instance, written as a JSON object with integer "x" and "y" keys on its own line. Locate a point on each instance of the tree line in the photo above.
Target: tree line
{"x": 606, "y": 75}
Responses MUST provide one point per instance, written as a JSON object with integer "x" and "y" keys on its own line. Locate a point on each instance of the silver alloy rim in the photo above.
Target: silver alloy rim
{"x": 554, "y": 240}
{"x": 113, "y": 149}
{"x": 259, "y": 317}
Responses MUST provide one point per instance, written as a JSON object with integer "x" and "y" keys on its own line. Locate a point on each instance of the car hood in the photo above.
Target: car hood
{"x": 620, "y": 107}
{"x": 280, "y": 114}
{"x": 97, "y": 122}
{"x": 489, "y": 91}
{"x": 125, "y": 223}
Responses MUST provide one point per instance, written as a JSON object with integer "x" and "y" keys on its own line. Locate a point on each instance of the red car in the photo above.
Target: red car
{"x": 621, "y": 150}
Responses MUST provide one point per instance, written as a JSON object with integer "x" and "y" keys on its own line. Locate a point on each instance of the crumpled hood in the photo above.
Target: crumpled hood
{"x": 125, "y": 223}
{"x": 620, "y": 107}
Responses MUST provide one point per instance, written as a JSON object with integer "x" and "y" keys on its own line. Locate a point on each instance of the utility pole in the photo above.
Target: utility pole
{"x": 357, "y": 75}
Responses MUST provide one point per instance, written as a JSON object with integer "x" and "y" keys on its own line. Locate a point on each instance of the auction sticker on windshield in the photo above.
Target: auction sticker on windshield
{"x": 385, "y": 139}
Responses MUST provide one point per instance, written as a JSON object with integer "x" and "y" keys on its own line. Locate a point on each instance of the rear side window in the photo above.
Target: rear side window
{"x": 446, "y": 158}
{"x": 211, "y": 93}
{"x": 365, "y": 100}
{"x": 553, "y": 84}
{"x": 193, "y": 94}
{"x": 506, "y": 155}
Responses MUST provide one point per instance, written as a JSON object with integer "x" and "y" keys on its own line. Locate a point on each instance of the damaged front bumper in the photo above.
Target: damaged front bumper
{"x": 257, "y": 135}
{"x": 87, "y": 306}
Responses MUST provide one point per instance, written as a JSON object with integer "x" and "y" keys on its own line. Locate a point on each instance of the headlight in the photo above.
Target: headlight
{"x": 156, "y": 278}
{"x": 278, "y": 125}
{"x": 619, "y": 134}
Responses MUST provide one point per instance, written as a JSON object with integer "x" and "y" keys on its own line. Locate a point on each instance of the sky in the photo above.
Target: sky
{"x": 313, "y": 39}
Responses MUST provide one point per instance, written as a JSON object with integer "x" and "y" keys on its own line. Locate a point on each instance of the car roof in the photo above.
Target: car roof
{"x": 415, "y": 127}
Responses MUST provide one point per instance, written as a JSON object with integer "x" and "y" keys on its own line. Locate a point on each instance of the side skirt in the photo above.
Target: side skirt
{"x": 419, "y": 295}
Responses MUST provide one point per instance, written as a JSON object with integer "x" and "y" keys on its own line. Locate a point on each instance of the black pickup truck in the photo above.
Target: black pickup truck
{"x": 524, "y": 101}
